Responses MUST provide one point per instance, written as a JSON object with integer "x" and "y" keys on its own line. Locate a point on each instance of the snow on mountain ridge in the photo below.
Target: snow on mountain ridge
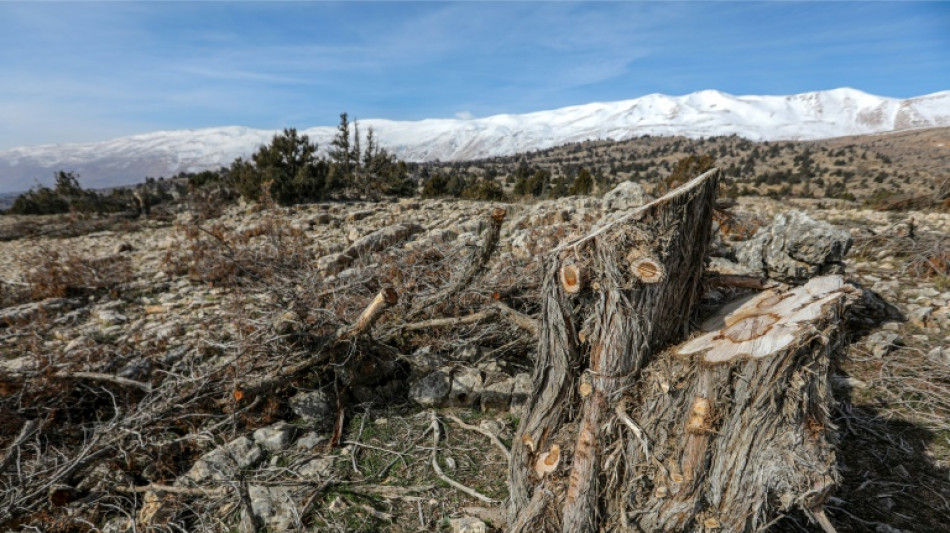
{"x": 805, "y": 116}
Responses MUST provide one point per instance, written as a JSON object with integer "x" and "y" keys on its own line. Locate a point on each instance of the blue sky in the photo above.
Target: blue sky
{"x": 76, "y": 72}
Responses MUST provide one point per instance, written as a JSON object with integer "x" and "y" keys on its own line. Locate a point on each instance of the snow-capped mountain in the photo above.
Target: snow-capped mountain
{"x": 814, "y": 115}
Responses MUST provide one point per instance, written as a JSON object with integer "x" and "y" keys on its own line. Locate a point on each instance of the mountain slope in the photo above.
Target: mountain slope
{"x": 814, "y": 115}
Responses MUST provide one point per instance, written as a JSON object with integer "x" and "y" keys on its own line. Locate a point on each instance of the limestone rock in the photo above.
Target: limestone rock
{"x": 883, "y": 342}
{"x": 467, "y": 386}
{"x": 467, "y": 524}
{"x": 275, "y": 437}
{"x": 223, "y": 463}
{"x": 275, "y": 506}
{"x": 432, "y": 389}
{"x": 497, "y": 395}
{"x": 521, "y": 390}
{"x": 794, "y": 248}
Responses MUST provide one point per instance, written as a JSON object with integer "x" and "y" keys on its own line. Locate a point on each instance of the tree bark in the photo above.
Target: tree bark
{"x": 723, "y": 432}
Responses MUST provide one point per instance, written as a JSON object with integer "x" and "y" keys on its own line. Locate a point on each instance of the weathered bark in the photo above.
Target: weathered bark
{"x": 723, "y": 432}
{"x": 644, "y": 272}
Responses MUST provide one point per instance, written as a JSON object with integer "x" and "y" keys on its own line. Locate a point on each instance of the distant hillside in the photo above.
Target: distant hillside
{"x": 856, "y": 167}
{"x": 806, "y": 116}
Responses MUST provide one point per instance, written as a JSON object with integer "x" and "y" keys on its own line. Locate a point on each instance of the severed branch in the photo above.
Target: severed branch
{"x": 451, "y": 321}
{"x": 436, "y": 436}
{"x": 172, "y": 489}
{"x": 384, "y": 300}
{"x": 520, "y": 319}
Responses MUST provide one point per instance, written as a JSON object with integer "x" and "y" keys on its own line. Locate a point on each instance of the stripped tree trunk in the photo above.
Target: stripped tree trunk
{"x": 623, "y": 432}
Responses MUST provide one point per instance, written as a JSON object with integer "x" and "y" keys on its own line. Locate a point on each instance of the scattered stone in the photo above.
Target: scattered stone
{"x": 138, "y": 369}
{"x": 221, "y": 464}
{"x": 309, "y": 441}
{"x": 467, "y": 384}
{"x": 521, "y": 390}
{"x": 313, "y": 406}
{"x": 275, "y": 437}
{"x": 108, "y": 317}
{"x": 920, "y": 317}
{"x": 121, "y": 248}
{"x": 497, "y": 395}
{"x": 321, "y": 467}
{"x": 940, "y": 354}
{"x": 275, "y": 506}
{"x": 467, "y": 524}
{"x": 883, "y": 342}
{"x": 432, "y": 389}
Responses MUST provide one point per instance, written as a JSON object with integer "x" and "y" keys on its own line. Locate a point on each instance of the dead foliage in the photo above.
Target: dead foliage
{"x": 53, "y": 273}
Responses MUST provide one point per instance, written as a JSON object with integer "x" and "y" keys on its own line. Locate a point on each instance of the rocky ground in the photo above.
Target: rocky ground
{"x": 185, "y": 373}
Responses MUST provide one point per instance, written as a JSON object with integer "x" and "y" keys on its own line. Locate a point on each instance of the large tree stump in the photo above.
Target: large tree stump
{"x": 737, "y": 419}
{"x": 624, "y": 432}
{"x": 609, "y": 301}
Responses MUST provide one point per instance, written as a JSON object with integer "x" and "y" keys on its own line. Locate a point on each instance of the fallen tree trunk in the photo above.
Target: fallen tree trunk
{"x": 624, "y": 433}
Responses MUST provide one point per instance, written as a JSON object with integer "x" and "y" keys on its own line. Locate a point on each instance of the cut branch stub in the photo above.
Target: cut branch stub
{"x": 573, "y": 278}
{"x": 548, "y": 461}
{"x": 767, "y": 323}
{"x": 647, "y": 270}
{"x": 498, "y": 214}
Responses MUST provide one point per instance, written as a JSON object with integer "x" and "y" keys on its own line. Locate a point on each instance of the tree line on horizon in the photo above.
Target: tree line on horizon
{"x": 289, "y": 170}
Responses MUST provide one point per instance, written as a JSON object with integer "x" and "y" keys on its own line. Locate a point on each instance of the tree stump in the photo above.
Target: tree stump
{"x": 625, "y": 433}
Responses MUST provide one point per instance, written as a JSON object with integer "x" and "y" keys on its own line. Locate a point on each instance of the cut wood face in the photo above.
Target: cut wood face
{"x": 548, "y": 461}
{"x": 768, "y": 322}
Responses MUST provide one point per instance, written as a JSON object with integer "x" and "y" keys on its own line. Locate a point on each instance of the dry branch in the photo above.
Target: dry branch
{"x": 109, "y": 378}
{"x": 326, "y": 346}
{"x": 385, "y": 299}
{"x": 436, "y": 436}
{"x": 450, "y": 321}
{"x": 491, "y": 436}
{"x": 476, "y": 265}
{"x": 27, "y": 431}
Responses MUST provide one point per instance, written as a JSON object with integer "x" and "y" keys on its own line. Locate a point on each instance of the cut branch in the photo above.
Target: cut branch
{"x": 385, "y": 299}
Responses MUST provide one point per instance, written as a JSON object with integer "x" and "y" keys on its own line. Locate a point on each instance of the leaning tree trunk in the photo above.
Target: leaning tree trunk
{"x": 623, "y": 432}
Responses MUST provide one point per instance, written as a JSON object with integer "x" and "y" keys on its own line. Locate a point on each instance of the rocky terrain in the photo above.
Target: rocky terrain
{"x": 252, "y": 371}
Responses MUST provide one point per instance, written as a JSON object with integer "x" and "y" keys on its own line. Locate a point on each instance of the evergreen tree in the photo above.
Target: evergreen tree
{"x": 288, "y": 167}
{"x": 583, "y": 183}
{"x": 341, "y": 155}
